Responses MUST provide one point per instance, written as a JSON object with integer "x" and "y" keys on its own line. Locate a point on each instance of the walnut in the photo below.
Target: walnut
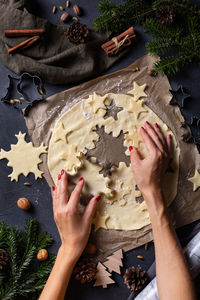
{"x": 23, "y": 203}
{"x": 42, "y": 255}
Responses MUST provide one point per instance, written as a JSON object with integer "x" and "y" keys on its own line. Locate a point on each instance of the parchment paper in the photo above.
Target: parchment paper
{"x": 43, "y": 116}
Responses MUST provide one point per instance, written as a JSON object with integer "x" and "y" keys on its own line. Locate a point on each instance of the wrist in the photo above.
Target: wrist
{"x": 155, "y": 202}
{"x": 68, "y": 255}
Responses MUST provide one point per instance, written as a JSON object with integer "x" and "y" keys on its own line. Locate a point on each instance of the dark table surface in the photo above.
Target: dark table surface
{"x": 11, "y": 122}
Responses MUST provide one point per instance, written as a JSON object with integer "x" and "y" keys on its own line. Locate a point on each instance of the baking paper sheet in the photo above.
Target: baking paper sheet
{"x": 42, "y": 117}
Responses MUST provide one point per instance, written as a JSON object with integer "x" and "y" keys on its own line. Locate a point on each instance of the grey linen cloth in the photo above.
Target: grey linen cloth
{"x": 53, "y": 58}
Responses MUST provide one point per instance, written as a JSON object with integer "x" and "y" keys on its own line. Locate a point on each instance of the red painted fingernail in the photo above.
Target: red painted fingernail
{"x": 53, "y": 188}
{"x": 59, "y": 177}
{"x": 156, "y": 124}
{"x": 147, "y": 123}
{"x": 62, "y": 172}
{"x": 98, "y": 197}
{"x": 81, "y": 179}
{"x": 130, "y": 148}
{"x": 142, "y": 127}
{"x": 170, "y": 136}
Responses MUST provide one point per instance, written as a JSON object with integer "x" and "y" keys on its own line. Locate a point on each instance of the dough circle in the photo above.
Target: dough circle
{"x": 121, "y": 210}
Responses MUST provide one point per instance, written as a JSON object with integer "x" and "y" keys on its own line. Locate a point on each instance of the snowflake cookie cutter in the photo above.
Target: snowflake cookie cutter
{"x": 37, "y": 81}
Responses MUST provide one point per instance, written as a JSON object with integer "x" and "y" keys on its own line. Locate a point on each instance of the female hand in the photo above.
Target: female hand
{"x": 148, "y": 172}
{"x": 74, "y": 227}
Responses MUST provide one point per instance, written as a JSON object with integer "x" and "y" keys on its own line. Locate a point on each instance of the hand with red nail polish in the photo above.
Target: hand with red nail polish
{"x": 74, "y": 227}
{"x": 171, "y": 266}
{"x": 148, "y": 172}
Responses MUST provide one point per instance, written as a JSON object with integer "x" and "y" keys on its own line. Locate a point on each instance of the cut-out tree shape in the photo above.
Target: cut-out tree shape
{"x": 102, "y": 276}
{"x": 114, "y": 262}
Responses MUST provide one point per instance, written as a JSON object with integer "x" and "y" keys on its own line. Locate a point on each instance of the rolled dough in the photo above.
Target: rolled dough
{"x": 118, "y": 208}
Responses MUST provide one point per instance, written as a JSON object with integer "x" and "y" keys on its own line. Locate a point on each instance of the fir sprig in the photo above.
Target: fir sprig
{"x": 114, "y": 17}
{"x": 177, "y": 45}
{"x": 24, "y": 276}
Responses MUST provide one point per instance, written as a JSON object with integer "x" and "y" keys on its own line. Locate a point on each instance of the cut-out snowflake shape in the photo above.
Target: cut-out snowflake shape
{"x": 73, "y": 159}
{"x": 23, "y": 158}
{"x": 106, "y": 151}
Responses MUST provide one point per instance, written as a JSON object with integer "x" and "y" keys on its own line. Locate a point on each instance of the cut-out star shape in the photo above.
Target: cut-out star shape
{"x": 133, "y": 136}
{"x": 100, "y": 221}
{"x": 138, "y": 91}
{"x": 195, "y": 180}
{"x": 73, "y": 159}
{"x": 23, "y": 158}
{"x": 112, "y": 110}
{"x": 61, "y": 133}
{"x": 179, "y": 96}
{"x": 95, "y": 103}
{"x": 137, "y": 108}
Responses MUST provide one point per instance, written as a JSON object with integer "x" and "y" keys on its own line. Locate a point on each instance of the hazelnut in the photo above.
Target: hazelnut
{"x": 65, "y": 17}
{"x": 76, "y": 10}
{"x": 90, "y": 249}
{"x": 42, "y": 255}
{"x": 24, "y": 203}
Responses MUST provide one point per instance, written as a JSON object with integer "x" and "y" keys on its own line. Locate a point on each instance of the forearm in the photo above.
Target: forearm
{"x": 173, "y": 278}
{"x": 58, "y": 280}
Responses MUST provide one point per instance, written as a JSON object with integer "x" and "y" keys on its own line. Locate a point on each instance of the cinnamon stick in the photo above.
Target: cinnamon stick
{"x": 112, "y": 45}
{"x": 25, "y": 44}
{"x": 128, "y": 32}
{"x": 23, "y": 32}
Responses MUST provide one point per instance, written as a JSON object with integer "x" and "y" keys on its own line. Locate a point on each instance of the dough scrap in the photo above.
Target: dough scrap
{"x": 195, "y": 180}
{"x": 61, "y": 133}
{"x": 137, "y": 108}
{"x": 95, "y": 103}
{"x": 100, "y": 221}
{"x": 72, "y": 159}
{"x": 23, "y": 158}
{"x": 119, "y": 197}
{"x": 138, "y": 91}
{"x": 133, "y": 136}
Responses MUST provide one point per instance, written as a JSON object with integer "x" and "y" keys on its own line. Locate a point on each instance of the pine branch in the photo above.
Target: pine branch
{"x": 182, "y": 38}
{"x": 113, "y": 19}
{"x": 160, "y": 46}
{"x": 23, "y": 278}
{"x": 170, "y": 65}
{"x": 151, "y": 26}
{"x": 31, "y": 231}
{"x": 105, "y": 5}
{"x": 26, "y": 263}
{"x": 44, "y": 240}
{"x": 12, "y": 242}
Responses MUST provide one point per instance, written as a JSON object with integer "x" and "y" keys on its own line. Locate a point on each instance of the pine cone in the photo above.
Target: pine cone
{"x": 85, "y": 271}
{"x": 3, "y": 258}
{"x": 135, "y": 278}
{"x": 77, "y": 33}
{"x": 165, "y": 15}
